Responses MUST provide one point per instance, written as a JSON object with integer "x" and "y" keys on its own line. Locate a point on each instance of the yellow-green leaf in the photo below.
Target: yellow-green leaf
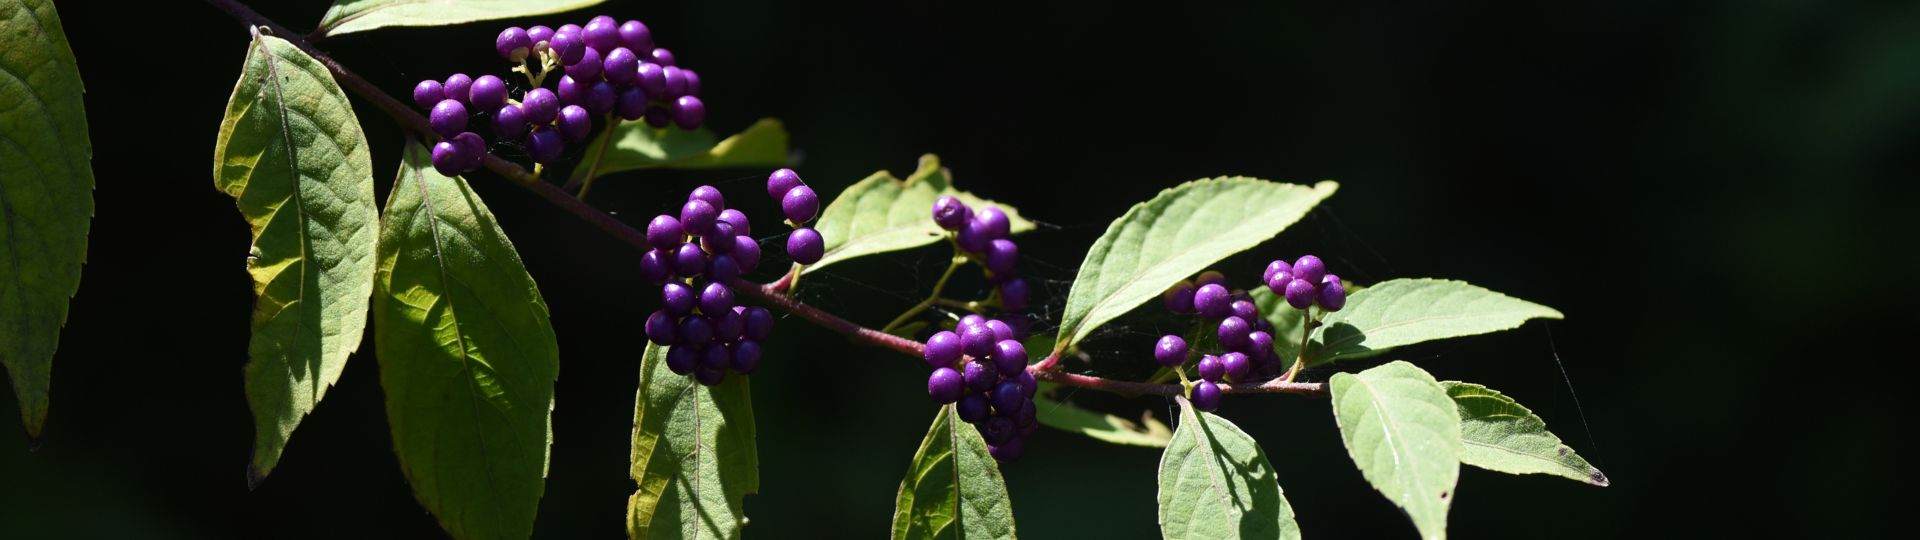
{"x": 882, "y": 213}
{"x": 1100, "y": 426}
{"x": 1502, "y": 435}
{"x": 953, "y": 489}
{"x": 1403, "y": 432}
{"x": 291, "y": 154}
{"x": 1215, "y": 482}
{"x": 693, "y": 454}
{"x": 1403, "y": 312}
{"x": 347, "y": 16}
{"x": 640, "y": 146}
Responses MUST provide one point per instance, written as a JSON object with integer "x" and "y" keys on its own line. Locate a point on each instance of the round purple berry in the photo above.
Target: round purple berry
{"x": 707, "y": 376}
{"x": 1010, "y": 357}
{"x": 539, "y": 35}
{"x": 1170, "y": 351}
{"x": 680, "y": 359}
{"x": 715, "y": 356}
{"x": 653, "y": 267}
{"x": 635, "y": 35}
{"x": 971, "y": 319}
{"x": 689, "y": 260}
{"x": 449, "y": 158}
{"x": 710, "y": 194}
{"x": 600, "y": 98}
{"x": 510, "y": 122}
{"x": 720, "y": 240}
{"x": 544, "y": 145}
{"x": 943, "y": 349}
{"x": 1002, "y": 256}
{"x": 949, "y": 213}
{"x": 487, "y": 93}
{"x": 1309, "y": 268}
{"x": 572, "y": 92}
{"x": 575, "y": 123}
{"x": 1007, "y": 450}
{"x": 676, "y": 81}
{"x": 1206, "y": 396}
{"x": 698, "y": 216}
{"x": 621, "y": 66}
{"x": 631, "y": 104}
{"x": 1027, "y": 385}
{"x": 1213, "y": 301}
{"x": 689, "y": 112}
{"x": 457, "y": 86}
{"x": 692, "y": 81}
{"x": 1007, "y": 397}
{"x": 570, "y": 30}
{"x": 1245, "y": 309}
{"x": 1210, "y": 368}
{"x": 448, "y": 118}
{"x": 1275, "y": 267}
{"x": 567, "y": 46}
{"x": 746, "y": 356}
{"x": 996, "y": 222}
{"x": 800, "y": 204}
{"x": 1333, "y": 295}
{"x": 741, "y": 225}
{"x": 716, "y": 298}
{"x": 602, "y": 32}
{"x": 977, "y": 340}
{"x": 945, "y": 385}
{"x": 1300, "y": 294}
{"x": 1237, "y": 366}
{"x": 806, "y": 246}
{"x": 973, "y": 408}
{"x": 780, "y": 182}
{"x": 1209, "y": 277}
{"x": 975, "y": 236}
{"x": 1179, "y": 297}
{"x": 662, "y": 56}
{"x": 677, "y": 297}
{"x": 658, "y": 116}
{"x": 723, "y": 268}
{"x": 427, "y": 94}
{"x": 695, "y": 329}
{"x": 1013, "y": 294}
{"x": 660, "y": 328}
{"x": 1233, "y": 332}
{"x": 665, "y": 231}
{"x": 1001, "y": 330}
{"x": 980, "y": 377}
{"x": 1259, "y": 343}
{"x": 728, "y": 325}
{"x": 541, "y": 106}
{"x": 652, "y": 78}
{"x": 513, "y": 44}
{"x": 588, "y": 68}
{"x": 473, "y": 148}
{"x": 759, "y": 323}
{"x": 746, "y": 251}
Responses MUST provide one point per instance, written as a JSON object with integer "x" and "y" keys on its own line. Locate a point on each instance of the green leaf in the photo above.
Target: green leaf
{"x": 1402, "y": 312}
{"x": 291, "y": 154}
{"x": 1501, "y": 435}
{"x": 1178, "y": 233}
{"x": 1216, "y": 483}
{"x": 883, "y": 213}
{"x": 953, "y": 489}
{"x": 640, "y": 146}
{"x": 46, "y": 196}
{"x": 467, "y": 356}
{"x": 693, "y": 454}
{"x": 348, "y": 16}
{"x": 1105, "y": 427}
{"x": 1404, "y": 434}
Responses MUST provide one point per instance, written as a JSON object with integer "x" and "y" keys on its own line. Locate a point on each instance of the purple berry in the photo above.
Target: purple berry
{"x": 448, "y": 118}
{"x": 1233, "y": 332}
{"x": 949, "y": 213}
{"x": 1213, "y": 301}
{"x": 720, "y": 240}
{"x": 996, "y": 222}
{"x": 572, "y": 92}
{"x": 653, "y": 267}
{"x": 1237, "y": 366}
{"x": 544, "y": 145}
{"x": 1333, "y": 295}
{"x": 1275, "y": 267}
{"x": 457, "y": 86}
{"x": 631, "y": 104}
{"x": 1007, "y": 398}
{"x": 710, "y": 194}
{"x": 1206, "y": 396}
{"x": 723, "y": 268}
{"x": 1013, "y": 294}
{"x": 980, "y": 377}
{"x": 1027, "y": 385}
{"x": 714, "y": 356}
{"x": 709, "y": 376}
{"x": 680, "y": 359}
{"x": 689, "y": 112}
{"x": 746, "y": 251}
{"x": 588, "y": 68}
{"x": 698, "y": 216}
{"x": 741, "y": 225}
{"x": 665, "y": 231}
{"x": 973, "y": 408}
{"x": 945, "y": 385}
{"x": 575, "y": 123}
{"x": 510, "y": 122}
{"x": 1170, "y": 351}
{"x": 977, "y": 340}
{"x": 693, "y": 81}
{"x": 716, "y": 298}
{"x": 449, "y": 158}
{"x": 676, "y": 81}
{"x": 677, "y": 298}
{"x": 661, "y": 55}
{"x": 473, "y": 148}
{"x": 1009, "y": 356}
{"x": 652, "y": 78}
{"x": 689, "y": 260}
{"x": 800, "y": 204}
{"x": 1278, "y": 283}
{"x": 660, "y": 328}
{"x": 806, "y": 246}
{"x": 975, "y": 236}
{"x": 602, "y": 32}
{"x": 635, "y": 35}
{"x": 541, "y": 106}
{"x": 1300, "y": 294}
{"x": 728, "y": 325}
{"x": 943, "y": 349}
{"x": 1259, "y": 343}
{"x": 695, "y": 329}
{"x": 1002, "y": 256}
{"x": 621, "y": 66}
{"x": 487, "y": 93}
{"x": 971, "y": 319}
{"x": 997, "y": 430}
{"x": 1001, "y": 330}
{"x": 759, "y": 323}
{"x": 600, "y": 97}
{"x": 427, "y": 94}
{"x": 539, "y": 35}
{"x": 746, "y": 356}
{"x": 1210, "y": 276}
{"x": 1210, "y": 368}
{"x": 567, "y": 46}
{"x": 1245, "y": 309}
{"x": 570, "y": 30}
{"x": 513, "y": 44}
{"x": 1179, "y": 297}
{"x": 780, "y": 182}
{"x": 1309, "y": 268}
{"x": 658, "y": 116}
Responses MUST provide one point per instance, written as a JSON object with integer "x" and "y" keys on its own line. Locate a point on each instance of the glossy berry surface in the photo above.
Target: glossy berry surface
{"x": 1178, "y": 298}
{"x": 1310, "y": 269}
{"x": 943, "y": 349}
{"x": 1213, "y": 301}
{"x": 806, "y": 246}
{"x": 574, "y": 123}
{"x": 689, "y": 112}
{"x": 1333, "y": 295}
{"x": 448, "y": 118}
{"x": 1210, "y": 368}
{"x": 780, "y": 182}
{"x": 949, "y": 213}
{"x": 457, "y": 86}
{"x": 1300, "y": 294}
{"x": 487, "y": 93}
{"x": 800, "y": 204}
{"x": 513, "y": 44}
{"x": 945, "y": 385}
{"x": 545, "y": 145}
{"x": 1010, "y": 357}
{"x": 1170, "y": 351}
{"x": 426, "y": 94}
{"x": 1206, "y": 396}
{"x": 1013, "y": 294}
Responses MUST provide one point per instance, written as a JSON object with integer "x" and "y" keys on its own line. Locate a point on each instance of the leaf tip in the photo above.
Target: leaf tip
{"x": 1598, "y": 478}
{"x": 256, "y": 475}
{"x": 33, "y": 443}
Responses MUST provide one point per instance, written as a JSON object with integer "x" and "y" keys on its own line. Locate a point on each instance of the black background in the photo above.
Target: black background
{"x": 1717, "y": 194}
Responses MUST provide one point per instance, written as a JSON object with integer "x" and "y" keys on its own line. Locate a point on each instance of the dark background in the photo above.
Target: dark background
{"x": 1717, "y": 194}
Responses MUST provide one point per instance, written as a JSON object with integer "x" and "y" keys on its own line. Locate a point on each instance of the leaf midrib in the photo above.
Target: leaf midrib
{"x": 299, "y": 205}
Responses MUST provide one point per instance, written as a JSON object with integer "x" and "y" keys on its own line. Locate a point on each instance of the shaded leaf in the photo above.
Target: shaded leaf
{"x": 467, "y": 356}
{"x": 1176, "y": 234}
{"x": 291, "y": 154}
{"x": 46, "y": 196}
{"x": 1403, "y": 432}
{"x": 1100, "y": 426}
{"x": 348, "y": 16}
{"x": 953, "y": 488}
{"x": 694, "y": 454}
{"x": 882, "y": 213}
{"x": 1502, "y": 435}
{"x": 1215, "y": 482}
{"x": 1402, "y": 312}
{"x": 640, "y": 146}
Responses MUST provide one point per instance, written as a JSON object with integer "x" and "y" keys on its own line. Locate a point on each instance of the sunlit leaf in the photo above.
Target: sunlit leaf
{"x": 883, "y": 213}
{"x": 693, "y": 454}
{"x": 1403, "y": 432}
{"x": 348, "y": 16}
{"x": 1403, "y": 312}
{"x": 953, "y": 488}
{"x": 1100, "y": 426}
{"x": 639, "y": 146}
{"x": 1215, "y": 482}
{"x": 1502, "y": 435}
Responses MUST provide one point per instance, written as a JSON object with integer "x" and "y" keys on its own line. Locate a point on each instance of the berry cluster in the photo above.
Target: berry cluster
{"x": 1245, "y": 337}
{"x": 609, "y": 68}
{"x": 987, "y": 236}
{"x": 693, "y": 257}
{"x": 800, "y": 205}
{"x": 982, "y": 367}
